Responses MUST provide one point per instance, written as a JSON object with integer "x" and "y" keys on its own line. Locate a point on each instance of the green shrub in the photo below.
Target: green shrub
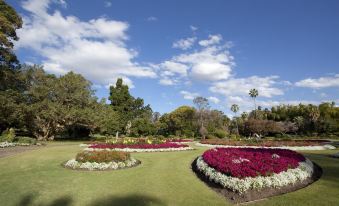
{"x": 26, "y": 140}
{"x": 102, "y": 156}
{"x": 8, "y": 135}
{"x": 220, "y": 133}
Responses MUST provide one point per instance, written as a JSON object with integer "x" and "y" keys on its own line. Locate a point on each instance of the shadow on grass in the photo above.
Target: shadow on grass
{"x": 28, "y": 199}
{"x": 135, "y": 200}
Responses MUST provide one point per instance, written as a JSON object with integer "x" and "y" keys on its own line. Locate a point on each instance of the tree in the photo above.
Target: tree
{"x": 235, "y": 109}
{"x": 253, "y": 94}
{"x": 202, "y": 105}
{"x": 10, "y": 21}
{"x": 126, "y": 105}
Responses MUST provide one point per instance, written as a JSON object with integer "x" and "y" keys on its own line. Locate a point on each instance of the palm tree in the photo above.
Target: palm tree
{"x": 254, "y": 93}
{"x": 235, "y": 109}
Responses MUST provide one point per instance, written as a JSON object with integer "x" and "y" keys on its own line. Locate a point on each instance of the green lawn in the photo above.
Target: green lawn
{"x": 36, "y": 178}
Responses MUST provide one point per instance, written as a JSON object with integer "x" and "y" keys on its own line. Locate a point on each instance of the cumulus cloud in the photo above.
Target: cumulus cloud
{"x": 322, "y": 82}
{"x": 215, "y": 100}
{"x": 212, "y": 39}
{"x": 206, "y": 64}
{"x": 189, "y": 95}
{"x": 184, "y": 44}
{"x": 241, "y": 86}
{"x": 94, "y": 48}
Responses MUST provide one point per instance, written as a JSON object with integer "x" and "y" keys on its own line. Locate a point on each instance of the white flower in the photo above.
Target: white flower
{"x": 6, "y": 144}
{"x": 100, "y": 166}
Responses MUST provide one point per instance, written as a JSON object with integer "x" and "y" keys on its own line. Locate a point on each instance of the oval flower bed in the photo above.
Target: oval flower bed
{"x": 243, "y": 169}
{"x": 101, "y": 160}
{"x": 142, "y": 147}
{"x": 283, "y": 144}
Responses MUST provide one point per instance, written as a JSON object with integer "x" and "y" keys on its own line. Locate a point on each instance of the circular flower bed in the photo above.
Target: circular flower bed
{"x": 101, "y": 160}
{"x": 283, "y": 144}
{"x": 142, "y": 147}
{"x": 241, "y": 169}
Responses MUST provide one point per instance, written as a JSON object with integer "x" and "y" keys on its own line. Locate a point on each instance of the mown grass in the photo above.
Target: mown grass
{"x": 36, "y": 178}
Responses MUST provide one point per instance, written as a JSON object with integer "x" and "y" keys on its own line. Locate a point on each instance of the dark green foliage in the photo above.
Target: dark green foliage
{"x": 25, "y": 140}
{"x": 130, "y": 109}
{"x": 10, "y": 21}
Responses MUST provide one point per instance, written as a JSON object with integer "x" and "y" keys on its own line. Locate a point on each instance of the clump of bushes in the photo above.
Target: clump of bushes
{"x": 8, "y": 135}
{"x": 102, "y": 156}
{"x": 220, "y": 133}
{"x": 25, "y": 140}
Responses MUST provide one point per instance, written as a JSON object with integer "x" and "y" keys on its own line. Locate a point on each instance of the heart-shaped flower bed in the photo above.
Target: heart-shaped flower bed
{"x": 249, "y": 162}
{"x": 243, "y": 169}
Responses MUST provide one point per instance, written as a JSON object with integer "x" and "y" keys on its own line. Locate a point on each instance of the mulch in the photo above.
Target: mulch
{"x": 255, "y": 195}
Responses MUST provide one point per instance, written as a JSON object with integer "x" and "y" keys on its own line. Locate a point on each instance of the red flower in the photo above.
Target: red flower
{"x": 138, "y": 146}
{"x": 250, "y": 162}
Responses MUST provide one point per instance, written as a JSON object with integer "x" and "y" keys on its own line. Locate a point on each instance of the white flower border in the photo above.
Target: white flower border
{"x": 73, "y": 164}
{"x": 291, "y": 176}
{"x": 295, "y": 148}
{"x": 142, "y": 150}
{"x": 10, "y": 144}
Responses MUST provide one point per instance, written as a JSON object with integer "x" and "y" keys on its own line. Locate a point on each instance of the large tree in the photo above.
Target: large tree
{"x": 253, "y": 94}
{"x": 128, "y": 107}
{"x": 202, "y": 106}
{"x": 10, "y": 21}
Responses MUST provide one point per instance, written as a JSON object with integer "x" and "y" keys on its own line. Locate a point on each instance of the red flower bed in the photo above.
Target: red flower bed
{"x": 137, "y": 146}
{"x": 249, "y": 162}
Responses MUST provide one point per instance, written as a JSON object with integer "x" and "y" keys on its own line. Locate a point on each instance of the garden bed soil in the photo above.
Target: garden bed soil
{"x": 9, "y": 151}
{"x": 255, "y": 195}
{"x": 87, "y": 170}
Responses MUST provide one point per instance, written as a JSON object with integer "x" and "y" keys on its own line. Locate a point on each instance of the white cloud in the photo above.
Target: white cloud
{"x": 241, "y": 86}
{"x": 212, "y": 39}
{"x": 94, "y": 48}
{"x": 215, "y": 100}
{"x": 189, "y": 95}
{"x": 152, "y": 18}
{"x": 319, "y": 83}
{"x": 166, "y": 81}
{"x": 193, "y": 28}
{"x": 107, "y": 4}
{"x": 207, "y": 64}
{"x": 184, "y": 44}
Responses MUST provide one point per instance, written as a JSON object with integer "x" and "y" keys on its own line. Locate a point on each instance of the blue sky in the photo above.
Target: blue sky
{"x": 171, "y": 51}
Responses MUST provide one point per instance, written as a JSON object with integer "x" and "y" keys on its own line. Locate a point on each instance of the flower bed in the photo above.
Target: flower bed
{"x": 11, "y": 144}
{"x": 101, "y": 160}
{"x": 287, "y": 144}
{"x": 162, "y": 147}
{"x": 243, "y": 169}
